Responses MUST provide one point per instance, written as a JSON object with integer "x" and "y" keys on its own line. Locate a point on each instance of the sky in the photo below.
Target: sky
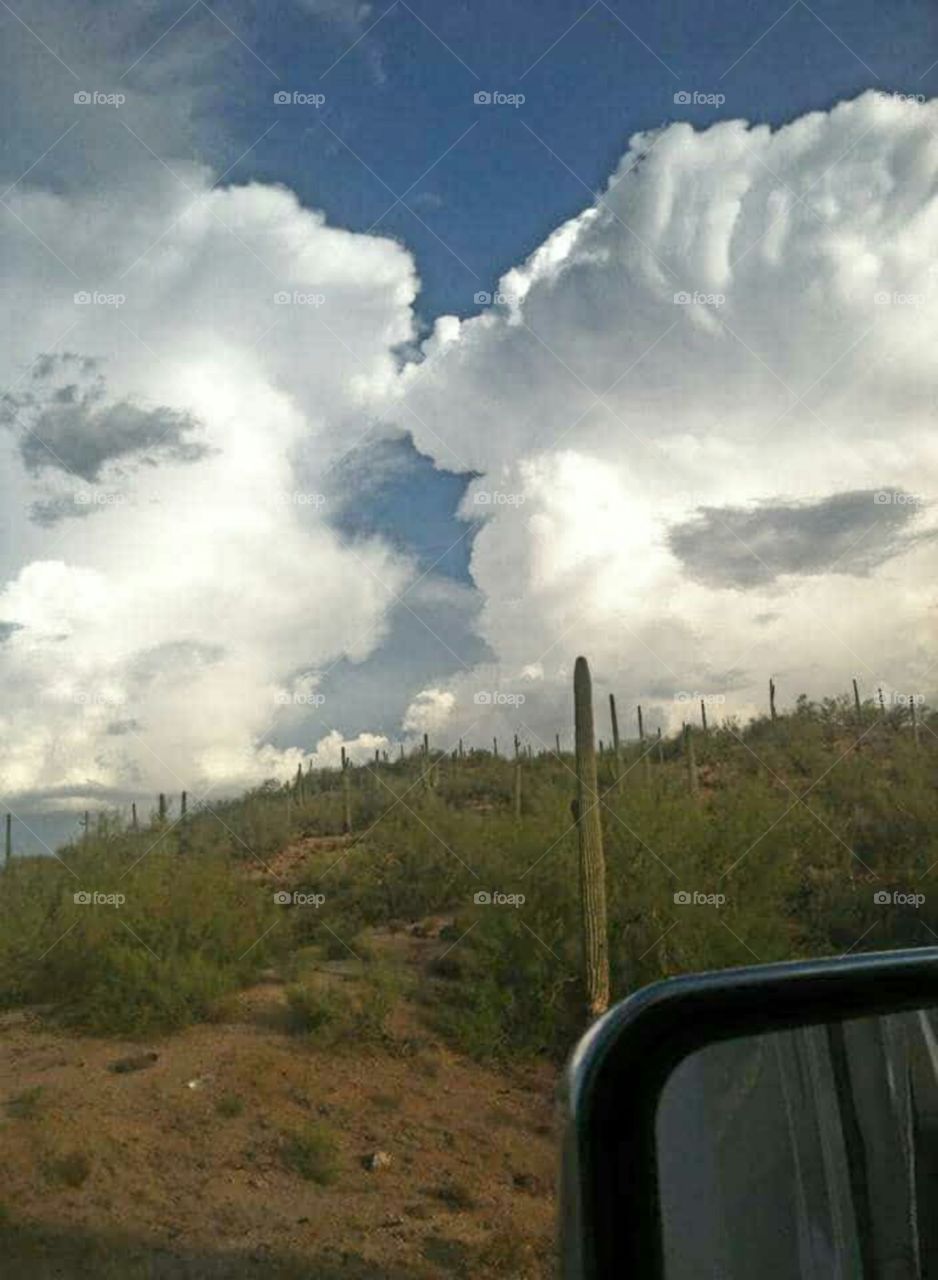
{"x": 364, "y": 364}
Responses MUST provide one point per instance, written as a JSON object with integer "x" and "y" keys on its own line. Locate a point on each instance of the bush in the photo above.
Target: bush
{"x": 312, "y": 1153}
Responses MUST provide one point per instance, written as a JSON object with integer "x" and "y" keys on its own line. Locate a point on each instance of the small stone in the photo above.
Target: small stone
{"x": 377, "y": 1160}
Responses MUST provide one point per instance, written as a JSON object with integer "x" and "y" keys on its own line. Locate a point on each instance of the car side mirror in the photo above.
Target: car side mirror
{"x": 776, "y": 1121}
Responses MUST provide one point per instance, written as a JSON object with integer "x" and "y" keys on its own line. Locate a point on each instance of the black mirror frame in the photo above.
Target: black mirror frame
{"x": 610, "y": 1218}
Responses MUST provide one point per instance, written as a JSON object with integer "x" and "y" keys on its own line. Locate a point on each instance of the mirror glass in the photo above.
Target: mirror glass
{"x": 809, "y": 1154}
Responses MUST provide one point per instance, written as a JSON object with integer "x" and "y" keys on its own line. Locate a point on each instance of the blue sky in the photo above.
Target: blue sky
{"x": 483, "y": 186}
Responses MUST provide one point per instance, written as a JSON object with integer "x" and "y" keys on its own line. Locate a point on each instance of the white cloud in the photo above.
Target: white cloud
{"x": 429, "y": 712}
{"x": 796, "y": 383}
{"x": 634, "y": 453}
{"x": 151, "y": 638}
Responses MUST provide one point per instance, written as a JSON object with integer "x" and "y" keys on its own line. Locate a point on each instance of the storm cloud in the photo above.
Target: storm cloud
{"x": 847, "y": 533}
{"x": 67, "y": 422}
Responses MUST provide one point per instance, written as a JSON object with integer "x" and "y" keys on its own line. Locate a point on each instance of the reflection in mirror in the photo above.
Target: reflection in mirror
{"x": 809, "y": 1154}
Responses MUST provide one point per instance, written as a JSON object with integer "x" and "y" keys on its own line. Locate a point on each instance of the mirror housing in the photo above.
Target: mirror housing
{"x": 610, "y": 1208}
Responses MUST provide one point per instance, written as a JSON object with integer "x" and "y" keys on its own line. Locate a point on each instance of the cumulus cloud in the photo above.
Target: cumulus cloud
{"x": 429, "y": 711}
{"x": 702, "y": 416}
{"x": 699, "y": 422}
{"x": 146, "y": 651}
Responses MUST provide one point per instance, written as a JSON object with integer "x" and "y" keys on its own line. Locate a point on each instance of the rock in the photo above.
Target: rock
{"x": 377, "y": 1160}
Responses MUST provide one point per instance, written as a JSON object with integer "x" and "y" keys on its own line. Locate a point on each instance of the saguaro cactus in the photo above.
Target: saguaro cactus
{"x": 691, "y": 760}
{"x": 495, "y": 748}
{"x": 557, "y": 742}
{"x": 856, "y": 701}
{"x": 616, "y": 748}
{"x": 646, "y": 762}
{"x": 346, "y": 803}
{"x": 518, "y": 789}
{"x": 772, "y": 711}
{"x": 590, "y": 838}
{"x": 703, "y": 715}
{"x": 134, "y": 824}
{"x": 161, "y": 809}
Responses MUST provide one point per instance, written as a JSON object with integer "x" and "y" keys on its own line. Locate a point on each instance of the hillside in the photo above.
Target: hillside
{"x": 383, "y": 961}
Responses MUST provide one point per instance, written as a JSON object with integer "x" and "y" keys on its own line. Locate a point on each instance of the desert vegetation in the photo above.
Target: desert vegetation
{"x": 811, "y": 830}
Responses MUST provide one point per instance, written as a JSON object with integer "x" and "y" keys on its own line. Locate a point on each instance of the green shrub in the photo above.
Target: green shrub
{"x": 312, "y": 1153}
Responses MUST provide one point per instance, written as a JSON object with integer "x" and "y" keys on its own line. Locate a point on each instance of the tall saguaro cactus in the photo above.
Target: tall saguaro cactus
{"x": 691, "y": 760}
{"x": 646, "y": 763}
{"x": 590, "y": 838}
{"x": 517, "y": 804}
{"x": 772, "y": 711}
{"x": 616, "y": 748}
{"x": 346, "y": 803}
{"x": 856, "y": 701}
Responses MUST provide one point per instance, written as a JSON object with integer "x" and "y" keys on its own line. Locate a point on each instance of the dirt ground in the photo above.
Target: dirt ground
{"x": 177, "y": 1168}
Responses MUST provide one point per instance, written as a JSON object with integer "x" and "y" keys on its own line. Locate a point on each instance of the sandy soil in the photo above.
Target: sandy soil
{"x": 137, "y": 1174}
